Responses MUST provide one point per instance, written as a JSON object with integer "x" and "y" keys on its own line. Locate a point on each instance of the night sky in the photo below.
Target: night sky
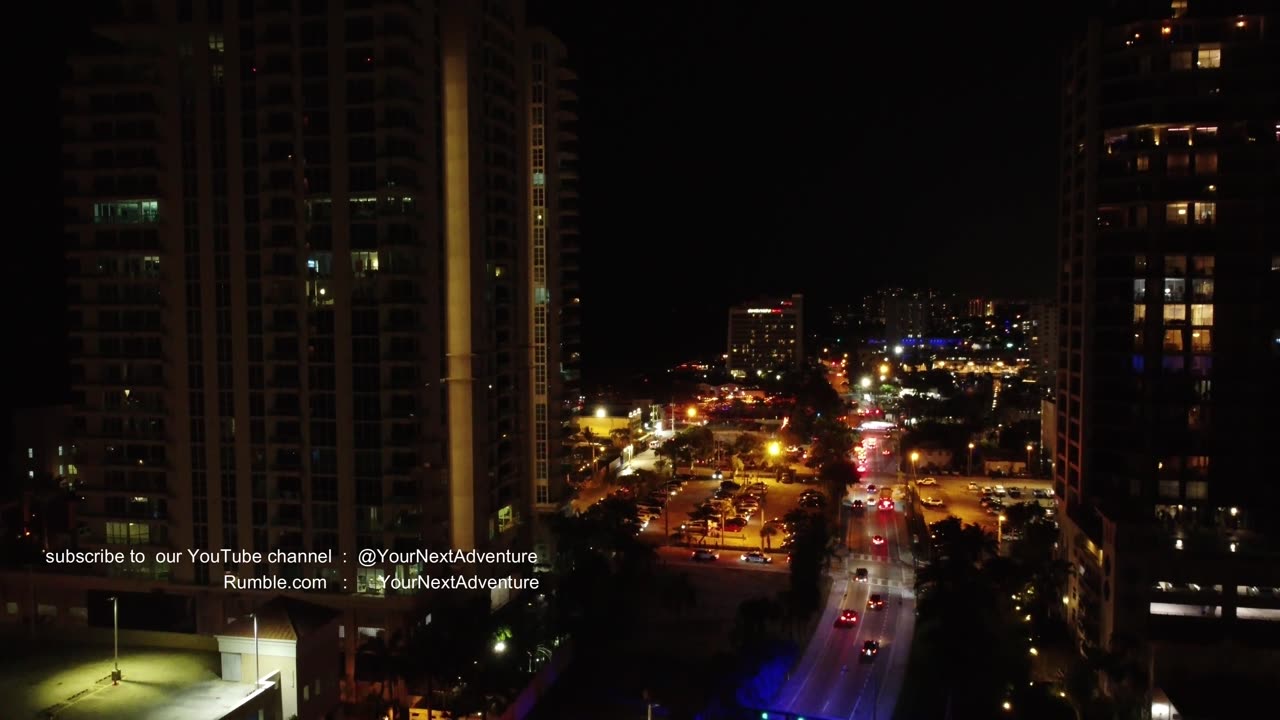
{"x": 729, "y": 149}
{"x": 742, "y": 148}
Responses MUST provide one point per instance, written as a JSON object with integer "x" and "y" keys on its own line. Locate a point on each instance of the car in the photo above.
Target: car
{"x": 870, "y": 649}
{"x": 871, "y": 489}
{"x": 931, "y": 502}
{"x": 876, "y": 602}
{"x": 717, "y": 475}
{"x": 927, "y": 481}
{"x": 886, "y": 503}
{"x": 877, "y": 540}
{"x": 861, "y": 469}
{"x": 973, "y": 487}
{"x": 755, "y": 556}
{"x": 857, "y": 505}
{"x": 734, "y": 525}
{"x": 886, "y": 451}
{"x": 704, "y": 555}
{"x": 848, "y": 618}
{"x": 730, "y": 485}
{"x": 860, "y": 575}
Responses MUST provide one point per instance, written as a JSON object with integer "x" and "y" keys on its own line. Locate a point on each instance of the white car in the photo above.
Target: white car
{"x": 931, "y": 502}
{"x": 973, "y": 487}
{"x": 755, "y": 556}
{"x": 927, "y": 481}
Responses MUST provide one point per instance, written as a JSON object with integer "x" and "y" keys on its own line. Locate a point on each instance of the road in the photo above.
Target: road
{"x": 830, "y": 681}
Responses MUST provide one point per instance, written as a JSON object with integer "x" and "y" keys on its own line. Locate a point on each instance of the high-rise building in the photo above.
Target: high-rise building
{"x": 307, "y": 307}
{"x": 554, "y": 305}
{"x": 766, "y": 336}
{"x": 1041, "y": 334}
{"x": 1169, "y": 375}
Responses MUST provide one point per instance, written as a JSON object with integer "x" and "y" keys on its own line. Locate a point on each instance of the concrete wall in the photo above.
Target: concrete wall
{"x": 266, "y": 700}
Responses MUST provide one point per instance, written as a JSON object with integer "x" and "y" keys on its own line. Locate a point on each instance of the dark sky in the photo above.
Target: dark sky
{"x": 729, "y": 149}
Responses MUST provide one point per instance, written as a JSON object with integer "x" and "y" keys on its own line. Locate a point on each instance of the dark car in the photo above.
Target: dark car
{"x": 848, "y": 618}
{"x": 857, "y": 505}
{"x": 705, "y": 555}
{"x": 861, "y": 575}
{"x": 876, "y": 602}
{"x": 870, "y": 649}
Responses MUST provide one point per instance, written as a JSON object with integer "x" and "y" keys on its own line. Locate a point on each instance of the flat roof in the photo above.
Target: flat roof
{"x": 74, "y": 683}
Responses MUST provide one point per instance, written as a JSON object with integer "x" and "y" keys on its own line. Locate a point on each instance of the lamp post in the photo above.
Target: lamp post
{"x": 915, "y": 458}
{"x": 257, "y": 657}
{"x": 1029, "y": 448}
{"x": 970, "y": 471}
{"x": 115, "y": 634}
{"x": 999, "y": 530}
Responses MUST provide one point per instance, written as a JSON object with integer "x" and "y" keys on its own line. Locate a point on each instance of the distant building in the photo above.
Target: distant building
{"x": 766, "y": 336}
{"x": 43, "y": 443}
{"x": 1042, "y": 340}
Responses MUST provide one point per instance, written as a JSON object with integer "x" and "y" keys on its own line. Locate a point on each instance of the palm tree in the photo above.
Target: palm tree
{"x": 766, "y": 535}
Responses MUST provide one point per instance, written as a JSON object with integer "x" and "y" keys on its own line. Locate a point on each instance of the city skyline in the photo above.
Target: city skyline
{"x": 529, "y": 358}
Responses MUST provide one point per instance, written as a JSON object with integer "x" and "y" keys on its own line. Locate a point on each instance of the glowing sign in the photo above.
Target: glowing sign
{"x": 764, "y": 311}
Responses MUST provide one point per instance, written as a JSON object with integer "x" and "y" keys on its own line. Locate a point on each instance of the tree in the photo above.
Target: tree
{"x": 767, "y": 533}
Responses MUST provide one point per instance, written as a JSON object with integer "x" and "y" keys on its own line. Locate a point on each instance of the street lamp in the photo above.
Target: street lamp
{"x": 1029, "y": 448}
{"x": 257, "y": 657}
{"x": 499, "y": 647}
{"x": 692, "y": 412}
{"x": 1000, "y": 530}
{"x": 865, "y": 382}
{"x": 775, "y": 449}
{"x": 915, "y": 458}
{"x": 115, "y": 632}
{"x": 970, "y": 473}
{"x": 601, "y": 413}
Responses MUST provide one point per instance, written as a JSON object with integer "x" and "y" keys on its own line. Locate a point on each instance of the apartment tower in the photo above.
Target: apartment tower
{"x": 302, "y": 282}
{"x": 1169, "y": 355}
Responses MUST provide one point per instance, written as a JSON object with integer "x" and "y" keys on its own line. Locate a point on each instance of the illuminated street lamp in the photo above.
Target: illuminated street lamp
{"x": 692, "y": 412}
{"x": 865, "y": 382}
{"x": 915, "y": 458}
{"x": 884, "y": 368}
{"x": 115, "y": 632}
{"x": 1000, "y": 529}
{"x": 601, "y": 413}
{"x": 257, "y": 658}
{"x": 499, "y": 647}
{"x": 775, "y": 449}
{"x": 1029, "y": 448}
{"x": 970, "y": 459}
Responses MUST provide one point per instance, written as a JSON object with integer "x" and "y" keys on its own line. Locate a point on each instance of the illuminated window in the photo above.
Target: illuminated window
{"x": 1173, "y": 340}
{"x": 1175, "y": 290}
{"x": 1178, "y": 163}
{"x": 1169, "y": 488}
{"x": 1143, "y": 163}
{"x": 1207, "y": 163}
{"x": 1201, "y": 340}
{"x": 1177, "y": 213}
{"x": 364, "y": 262}
{"x": 1202, "y": 265}
{"x": 1139, "y": 290}
{"x": 1205, "y": 212}
{"x": 1198, "y": 465}
{"x": 1139, "y": 314}
{"x": 1209, "y": 56}
{"x": 1202, "y": 290}
{"x": 1197, "y": 490}
{"x": 1175, "y": 314}
{"x": 126, "y": 211}
{"x": 1202, "y": 315}
{"x": 216, "y": 43}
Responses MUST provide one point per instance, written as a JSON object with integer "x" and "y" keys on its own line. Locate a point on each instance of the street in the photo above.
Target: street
{"x": 831, "y": 681}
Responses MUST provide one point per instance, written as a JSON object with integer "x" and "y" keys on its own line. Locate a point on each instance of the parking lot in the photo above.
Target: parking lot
{"x": 778, "y": 501}
{"x": 962, "y": 502}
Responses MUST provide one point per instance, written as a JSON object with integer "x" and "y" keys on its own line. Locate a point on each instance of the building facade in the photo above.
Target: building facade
{"x": 1169, "y": 365}
{"x": 554, "y": 304}
{"x": 766, "y": 336}
{"x": 304, "y": 290}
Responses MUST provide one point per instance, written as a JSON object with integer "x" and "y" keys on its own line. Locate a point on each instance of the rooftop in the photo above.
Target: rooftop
{"x": 283, "y": 618}
{"x": 74, "y": 683}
